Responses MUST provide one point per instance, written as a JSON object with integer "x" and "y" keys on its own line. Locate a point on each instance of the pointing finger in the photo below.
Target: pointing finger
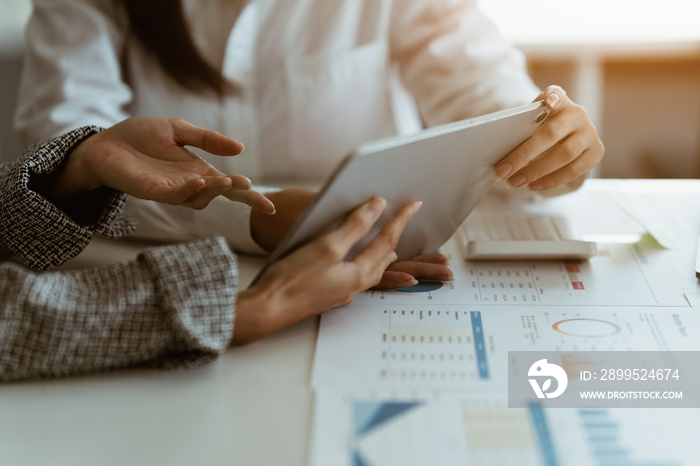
{"x": 252, "y": 198}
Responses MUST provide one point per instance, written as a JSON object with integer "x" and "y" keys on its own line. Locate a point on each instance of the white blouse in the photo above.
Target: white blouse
{"x": 316, "y": 78}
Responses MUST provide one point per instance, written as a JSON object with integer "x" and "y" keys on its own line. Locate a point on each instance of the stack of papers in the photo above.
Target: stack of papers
{"x": 419, "y": 376}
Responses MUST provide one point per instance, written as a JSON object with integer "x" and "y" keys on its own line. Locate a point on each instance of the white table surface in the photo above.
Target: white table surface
{"x": 251, "y": 406}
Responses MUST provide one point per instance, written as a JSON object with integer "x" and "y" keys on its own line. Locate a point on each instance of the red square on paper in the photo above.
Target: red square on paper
{"x": 573, "y": 269}
{"x": 577, "y": 285}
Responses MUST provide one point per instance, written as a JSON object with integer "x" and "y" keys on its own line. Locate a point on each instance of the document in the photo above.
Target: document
{"x": 444, "y": 347}
{"x": 620, "y": 274}
{"x": 446, "y": 335}
{"x": 657, "y": 210}
{"x": 420, "y": 375}
{"x": 404, "y": 429}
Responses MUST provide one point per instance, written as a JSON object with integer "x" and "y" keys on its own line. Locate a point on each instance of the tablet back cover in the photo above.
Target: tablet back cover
{"x": 448, "y": 168}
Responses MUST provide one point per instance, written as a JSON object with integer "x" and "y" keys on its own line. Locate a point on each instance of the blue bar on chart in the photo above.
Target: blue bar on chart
{"x": 539, "y": 423}
{"x": 604, "y": 436}
{"x": 480, "y": 344}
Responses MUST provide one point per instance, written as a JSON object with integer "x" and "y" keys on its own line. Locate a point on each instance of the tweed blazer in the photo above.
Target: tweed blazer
{"x": 171, "y": 307}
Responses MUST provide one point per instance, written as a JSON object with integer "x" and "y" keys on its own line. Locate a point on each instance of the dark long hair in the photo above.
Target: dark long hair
{"x": 161, "y": 28}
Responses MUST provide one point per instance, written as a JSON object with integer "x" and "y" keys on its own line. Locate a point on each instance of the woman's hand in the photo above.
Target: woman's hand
{"x": 268, "y": 231}
{"x": 147, "y": 158}
{"x": 316, "y": 277}
{"x": 561, "y": 151}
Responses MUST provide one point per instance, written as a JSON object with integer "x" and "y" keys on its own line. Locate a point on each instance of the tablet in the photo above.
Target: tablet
{"x": 447, "y": 167}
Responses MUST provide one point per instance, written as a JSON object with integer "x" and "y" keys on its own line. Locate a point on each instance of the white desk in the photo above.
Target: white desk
{"x": 252, "y": 406}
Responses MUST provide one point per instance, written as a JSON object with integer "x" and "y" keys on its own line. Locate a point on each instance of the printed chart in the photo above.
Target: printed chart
{"x": 440, "y": 346}
{"x": 586, "y": 328}
{"x": 446, "y": 347}
{"x": 420, "y": 375}
{"x": 362, "y": 429}
{"x": 433, "y": 345}
{"x": 370, "y": 431}
{"x": 605, "y": 329}
{"x": 625, "y": 274}
{"x": 617, "y": 437}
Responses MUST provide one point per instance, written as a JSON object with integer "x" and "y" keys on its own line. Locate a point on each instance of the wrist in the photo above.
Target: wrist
{"x": 76, "y": 175}
{"x": 250, "y": 323}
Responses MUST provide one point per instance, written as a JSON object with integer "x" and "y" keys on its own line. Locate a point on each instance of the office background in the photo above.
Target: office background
{"x": 634, "y": 65}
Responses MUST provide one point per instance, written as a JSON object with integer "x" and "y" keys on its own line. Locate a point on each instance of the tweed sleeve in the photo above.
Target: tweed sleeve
{"x": 41, "y": 234}
{"x": 172, "y": 307}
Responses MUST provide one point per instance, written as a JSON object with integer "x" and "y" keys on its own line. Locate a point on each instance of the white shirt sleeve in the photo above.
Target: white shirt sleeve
{"x": 455, "y": 62}
{"x": 72, "y": 75}
{"x": 167, "y": 223}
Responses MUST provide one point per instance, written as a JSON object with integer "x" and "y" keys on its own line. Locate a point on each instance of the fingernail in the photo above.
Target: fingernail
{"x": 446, "y": 278}
{"x": 393, "y": 256}
{"x": 407, "y": 283}
{"x": 552, "y": 99}
{"x": 416, "y": 207}
{"x": 501, "y": 172}
{"x": 535, "y": 187}
{"x": 517, "y": 181}
{"x": 376, "y": 206}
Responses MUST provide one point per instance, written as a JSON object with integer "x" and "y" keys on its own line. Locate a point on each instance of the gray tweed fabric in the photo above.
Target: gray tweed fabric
{"x": 172, "y": 307}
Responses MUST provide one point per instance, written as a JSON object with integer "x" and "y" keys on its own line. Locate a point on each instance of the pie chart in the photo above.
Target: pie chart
{"x": 424, "y": 286}
{"x": 586, "y": 328}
